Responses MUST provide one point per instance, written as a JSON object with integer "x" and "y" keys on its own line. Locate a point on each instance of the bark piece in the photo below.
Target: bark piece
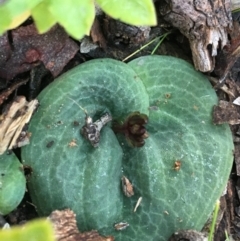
{"x": 65, "y": 228}
{"x": 53, "y": 48}
{"x": 228, "y": 55}
{"x": 124, "y": 35}
{"x": 13, "y": 122}
{"x": 233, "y": 88}
{"x": 205, "y": 23}
{"x": 97, "y": 35}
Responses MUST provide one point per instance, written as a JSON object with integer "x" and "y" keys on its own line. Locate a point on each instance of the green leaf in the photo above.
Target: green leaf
{"x": 37, "y": 230}
{"x": 43, "y": 23}
{"x": 109, "y": 76}
{"x": 12, "y": 183}
{"x": 76, "y": 16}
{"x": 5, "y": 20}
{"x": 14, "y": 12}
{"x": 179, "y": 103}
{"x": 132, "y": 12}
{"x": 17, "y": 7}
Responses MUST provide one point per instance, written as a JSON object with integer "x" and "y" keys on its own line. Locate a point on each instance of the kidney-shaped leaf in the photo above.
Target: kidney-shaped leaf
{"x": 12, "y": 183}
{"x": 179, "y": 103}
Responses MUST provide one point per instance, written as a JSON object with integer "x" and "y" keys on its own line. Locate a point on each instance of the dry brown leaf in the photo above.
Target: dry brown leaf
{"x": 28, "y": 48}
{"x": 13, "y": 122}
{"x": 65, "y": 228}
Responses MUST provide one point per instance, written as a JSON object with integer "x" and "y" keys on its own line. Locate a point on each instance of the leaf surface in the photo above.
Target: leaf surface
{"x": 12, "y": 183}
{"x": 179, "y": 103}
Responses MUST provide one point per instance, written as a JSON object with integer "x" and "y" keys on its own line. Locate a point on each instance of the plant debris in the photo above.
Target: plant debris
{"x": 72, "y": 143}
{"x": 133, "y": 129}
{"x": 226, "y": 112}
{"x": 177, "y": 165}
{"x": 13, "y": 121}
{"x": 206, "y": 25}
{"x": 91, "y": 130}
{"x": 65, "y": 228}
{"x": 190, "y": 235}
{"x": 228, "y": 55}
{"x": 27, "y": 48}
{"x": 127, "y": 187}
{"x": 5, "y": 93}
{"x": 121, "y": 226}
{"x": 97, "y": 35}
{"x": 137, "y": 204}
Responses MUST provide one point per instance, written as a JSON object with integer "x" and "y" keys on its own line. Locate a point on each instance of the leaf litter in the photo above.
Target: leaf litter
{"x": 25, "y": 48}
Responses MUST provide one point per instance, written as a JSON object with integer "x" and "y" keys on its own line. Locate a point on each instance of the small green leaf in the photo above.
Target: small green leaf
{"x": 17, "y": 7}
{"x": 75, "y": 16}
{"x": 133, "y": 12}
{"x": 5, "y": 20}
{"x": 14, "y": 12}
{"x": 12, "y": 183}
{"x": 37, "y": 230}
{"x": 43, "y": 23}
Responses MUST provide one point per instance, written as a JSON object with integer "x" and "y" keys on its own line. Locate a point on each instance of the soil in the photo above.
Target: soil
{"x": 28, "y": 71}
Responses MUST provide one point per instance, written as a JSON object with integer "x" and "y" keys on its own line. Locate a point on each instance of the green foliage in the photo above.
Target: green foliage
{"x": 178, "y": 101}
{"x": 43, "y": 23}
{"x": 12, "y": 183}
{"x": 37, "y": 230}
{"x": 214, "y": 221}
{"x": 76, "y": 16}
{"x": 134, "y": 12}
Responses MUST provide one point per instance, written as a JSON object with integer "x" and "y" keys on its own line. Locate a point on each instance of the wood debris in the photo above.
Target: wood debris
{"x": 204, "y": 23}
{"x": 13, "y": 120}
{"x": 65, "y": 228}
{"x": 228, "y": 55}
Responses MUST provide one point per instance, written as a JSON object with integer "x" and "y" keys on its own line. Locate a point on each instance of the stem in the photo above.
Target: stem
{"x": 226, "y": 235}
{"x": 143, "y": 47}
{"x": 215, "y": 214}
{"x": 161, "y": 40}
